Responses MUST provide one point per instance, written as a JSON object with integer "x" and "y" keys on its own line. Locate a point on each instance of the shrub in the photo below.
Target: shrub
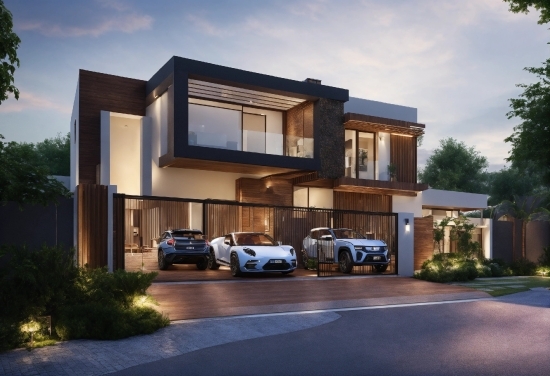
{"x": 523, "y": 267}
{"x": 544, "y": 259}
{"x": 448, "y": 267}
{"x": 83, "y": 303}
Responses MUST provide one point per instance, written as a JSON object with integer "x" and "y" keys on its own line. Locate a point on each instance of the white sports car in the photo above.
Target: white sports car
{"x": 252, "y": 252}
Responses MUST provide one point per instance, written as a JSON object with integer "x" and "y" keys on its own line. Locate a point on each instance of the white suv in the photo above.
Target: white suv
{"x": 346, "y": 247}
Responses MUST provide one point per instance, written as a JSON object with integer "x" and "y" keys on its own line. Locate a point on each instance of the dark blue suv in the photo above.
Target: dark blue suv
{"x": 183, "y": 246}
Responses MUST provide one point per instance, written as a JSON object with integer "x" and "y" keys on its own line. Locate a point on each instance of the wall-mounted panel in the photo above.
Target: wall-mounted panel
{"x": 403, "y": 156}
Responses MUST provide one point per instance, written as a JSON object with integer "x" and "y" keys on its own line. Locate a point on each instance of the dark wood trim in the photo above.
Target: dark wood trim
{"x": 403, "y": 156}
{"x": 91, "y": 225}
{"x": 166, "y": 161}
{"x": 396, "y": 188}
{"x": 102, "y": 92}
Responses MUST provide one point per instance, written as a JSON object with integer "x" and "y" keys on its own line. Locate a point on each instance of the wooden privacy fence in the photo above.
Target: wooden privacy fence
{"x": 91, "y": 225}
{"x": 140, "y": 220}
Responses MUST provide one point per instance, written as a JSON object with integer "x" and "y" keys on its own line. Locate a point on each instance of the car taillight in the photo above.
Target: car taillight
{"x": 171, "y": 242}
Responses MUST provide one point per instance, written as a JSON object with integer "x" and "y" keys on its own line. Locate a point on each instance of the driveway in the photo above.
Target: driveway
{"x": 259, "y": 294}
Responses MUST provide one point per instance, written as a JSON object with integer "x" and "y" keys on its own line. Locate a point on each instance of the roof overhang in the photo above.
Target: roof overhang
{"x": 369, "y": 123}
{"x": 451, "y": 200}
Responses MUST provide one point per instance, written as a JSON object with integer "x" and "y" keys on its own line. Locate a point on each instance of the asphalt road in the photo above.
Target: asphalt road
{"x": 508, "y": 336}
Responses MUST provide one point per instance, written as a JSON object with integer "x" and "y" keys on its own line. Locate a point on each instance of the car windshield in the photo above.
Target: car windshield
{"x": 254, "y": 239}
{"x": 343, "y": 233}
{"x": 187, "y": 235}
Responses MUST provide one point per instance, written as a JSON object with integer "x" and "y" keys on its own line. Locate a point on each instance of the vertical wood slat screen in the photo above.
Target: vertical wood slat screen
{"x": 403, "y": 155}
{"x": 152, "y": 218}
{"x": 423, "y": 240}
{"x": 362, "y": 202}
{"x": 92, "y": 225}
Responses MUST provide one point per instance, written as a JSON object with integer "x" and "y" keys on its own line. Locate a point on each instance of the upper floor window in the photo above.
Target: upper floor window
{"x": 361, "y": 155}
{"x": 236, "y": 127}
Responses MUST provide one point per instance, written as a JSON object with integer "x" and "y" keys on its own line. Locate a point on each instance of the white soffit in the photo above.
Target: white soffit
{"x": 435, "y": 198}
{"x": 203, "y": 89}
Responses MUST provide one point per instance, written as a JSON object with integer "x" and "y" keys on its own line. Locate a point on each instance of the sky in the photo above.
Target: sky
{"x": 457, "y": 62}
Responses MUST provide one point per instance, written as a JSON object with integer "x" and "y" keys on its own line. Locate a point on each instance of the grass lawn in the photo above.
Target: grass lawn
{"x": 506, "y": 285}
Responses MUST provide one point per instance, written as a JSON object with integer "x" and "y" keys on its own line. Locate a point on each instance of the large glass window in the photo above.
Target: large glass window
{"x": 360, "y": 155}
{"x": 228, "y": 126}
{"x": 216, "y": 127}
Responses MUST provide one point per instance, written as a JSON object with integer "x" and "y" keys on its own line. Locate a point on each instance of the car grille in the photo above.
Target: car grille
{"x": 273, "y": 266}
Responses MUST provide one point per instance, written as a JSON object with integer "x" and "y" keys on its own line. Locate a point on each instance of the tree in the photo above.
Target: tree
{"x": 56, "y": 154}
{"x": 9, "y": 42}
{"x": 522, "y": 6}
{"x": 512, "y": 181}
{"x": 23, "y": 180}
{"x": 531, "y": 138}
{"x": 455, "y": 167}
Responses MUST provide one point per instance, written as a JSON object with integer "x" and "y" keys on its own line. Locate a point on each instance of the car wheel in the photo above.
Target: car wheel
{"x": 212, "y": 264}
{"x": 305, "y": 260}
{"x": 163, "y": 265}
{"x": 344, "y": 262}
{"x": 202, "y": 264}
{"x": 235, "y": 266}
{"x": 380, "y": 268}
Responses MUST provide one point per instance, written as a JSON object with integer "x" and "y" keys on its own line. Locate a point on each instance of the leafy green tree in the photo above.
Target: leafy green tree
{"x": 455, "y": 167}
{"x": 509, "y": 182}
{"x": 22, "y": 179}
{"x": 522, "y": 6}
{"x": 9, "y": 42}
{"x": 531, "y": 138}
{"x": 56, "y": 154}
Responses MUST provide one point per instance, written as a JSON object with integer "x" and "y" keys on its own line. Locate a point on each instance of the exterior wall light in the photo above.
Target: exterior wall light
{"x": 407, "y": 225}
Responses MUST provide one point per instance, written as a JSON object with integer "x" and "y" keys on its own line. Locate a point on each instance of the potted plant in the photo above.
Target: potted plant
{"x": 392, "y": 171}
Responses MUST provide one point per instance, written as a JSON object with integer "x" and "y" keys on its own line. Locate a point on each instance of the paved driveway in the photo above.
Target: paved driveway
{"x": 258, "y": 295}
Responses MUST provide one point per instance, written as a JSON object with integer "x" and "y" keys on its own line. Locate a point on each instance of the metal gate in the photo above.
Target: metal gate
{"x": 141, "y": 219}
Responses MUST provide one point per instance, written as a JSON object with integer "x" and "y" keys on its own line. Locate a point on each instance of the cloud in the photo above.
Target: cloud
{"x": 206, "y": 27}
{"x": 30, "y": 102}
{"x": 126, "y": 24}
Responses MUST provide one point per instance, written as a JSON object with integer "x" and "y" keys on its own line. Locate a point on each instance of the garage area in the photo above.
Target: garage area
{"x": 139, "y": 221}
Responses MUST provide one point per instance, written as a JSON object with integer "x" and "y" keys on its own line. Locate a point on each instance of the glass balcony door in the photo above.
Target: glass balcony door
{"x": 360, "y": 154}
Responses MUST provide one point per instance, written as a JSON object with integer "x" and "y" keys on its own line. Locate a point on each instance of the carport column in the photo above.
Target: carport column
{"x": 146, "y": 182}
{"x": 405, "y": 244}
{"x": 111, "y": 190}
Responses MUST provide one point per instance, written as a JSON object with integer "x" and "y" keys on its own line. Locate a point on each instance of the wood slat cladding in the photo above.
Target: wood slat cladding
{"x": 277, "y": 192}
{"x": 378, "y": 124}
{"x": 102, "y": 92}
{"x": 395, "y": 188}
{"x": 92, "y": 225}
{"x": 423, "y": 240}
{"x": 118, "y": 236}
{"x": 299, "y": 120}
{"x": 403, "y": 155}
{"x": 151, "y": 218}
{"x": 364, "y": 202}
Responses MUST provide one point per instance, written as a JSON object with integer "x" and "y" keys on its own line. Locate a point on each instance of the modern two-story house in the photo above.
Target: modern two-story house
{"x": 197, "y": 136}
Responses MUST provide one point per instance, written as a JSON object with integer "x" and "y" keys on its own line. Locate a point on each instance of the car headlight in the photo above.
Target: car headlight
{"x": 292, "y": 251}
{"x": 249, "y": 251}
{"x": 358, "y": 248}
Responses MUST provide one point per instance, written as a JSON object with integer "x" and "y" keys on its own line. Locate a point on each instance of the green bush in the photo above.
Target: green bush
{"x": 448, "y": 267}
{"x": 83, "y": 303}
{"x": 523, "y": 267}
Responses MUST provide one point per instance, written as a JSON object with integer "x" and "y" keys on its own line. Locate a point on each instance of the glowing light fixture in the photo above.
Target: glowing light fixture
{"x": 407, "y": 225}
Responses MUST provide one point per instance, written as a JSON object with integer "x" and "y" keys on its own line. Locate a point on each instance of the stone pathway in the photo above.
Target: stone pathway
{"x": 90, "y": 357}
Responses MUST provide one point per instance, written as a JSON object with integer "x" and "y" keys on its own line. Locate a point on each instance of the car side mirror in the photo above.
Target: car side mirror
{"x": 279, "y": 242}
{"x": 227, "y": 242}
